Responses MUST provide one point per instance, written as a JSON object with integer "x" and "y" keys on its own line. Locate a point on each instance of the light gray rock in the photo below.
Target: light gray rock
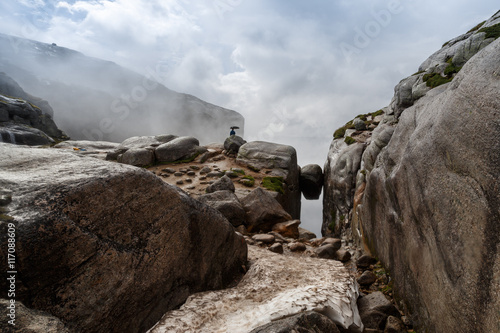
{"x": 306, "y": 234}
{"x": 28, "y": 320}
{"x": 179, "y": 149}
{"x": 343, "y": 255}
{"x": 138, "y": 157}
{"x": 228, "y": 204}
{"x": 264, "y": 238}
{"x": 326, "y": 251}
{"x": 341, "y": 167}
{"x": 432, "y": 201}
{"x": 101, "y": 146}
{"x": 223, "y": 184}
{"x": 308, "y": 322}
{"x": 118, "y": 236}
{"x": 311, "y": 181}
{"x": 282, "y": 160}
{"x": 263, "y": 211}
{"x": 233, "y": 143}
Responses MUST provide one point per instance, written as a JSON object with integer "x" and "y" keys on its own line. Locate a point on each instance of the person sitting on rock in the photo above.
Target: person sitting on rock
{"x": 232, "y": 132}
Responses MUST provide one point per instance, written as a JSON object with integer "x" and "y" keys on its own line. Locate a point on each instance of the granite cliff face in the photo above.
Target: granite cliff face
{"x": 98, "y": 100}
{"x": 420, "y": 186}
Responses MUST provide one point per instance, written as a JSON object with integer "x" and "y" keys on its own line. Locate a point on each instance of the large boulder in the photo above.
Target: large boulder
{"x": 223, "y": 184}
{"x": 107, "y": 247}
{"x": 307, "y": 322}
{"x": 137, "y": 157}
{"x": 233, "y": 143}
{"x": 139, "y": 142}
{"x": 430, "y": 208}
{"x": 23, "y": 135}
{"x": 263, "y": 211}
{"x": 311, "y": 181}
{"x": 182, "y": 148}
{"x": 228, "y": 204}
{"x": 281, "y": 160}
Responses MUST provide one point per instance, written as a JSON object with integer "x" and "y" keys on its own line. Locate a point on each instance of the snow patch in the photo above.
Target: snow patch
{"x": 275, "y": 287}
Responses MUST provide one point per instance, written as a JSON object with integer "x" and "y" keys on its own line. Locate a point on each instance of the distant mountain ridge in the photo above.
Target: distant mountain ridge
{"x": 95, "y": 99}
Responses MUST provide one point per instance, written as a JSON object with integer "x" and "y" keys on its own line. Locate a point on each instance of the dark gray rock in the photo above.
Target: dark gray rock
{"x": 228, "y": 204}
{"x": 223, "y": 184}
{"x": 359, "y": 124}
{"x": 374, "y": 310}
{"x": 343, "y": 255}
{"x": 367, "y": 278}
{"x": 179, "y": 149}
{"x": 282, "y": 161}
{"x": 115, "y": 230}
{"x": 263, "y": 211}
{"x": 23, "y": 135}
{"x": 365, "y": 261}
{"x": 305, "y": 234}
{"x": 297, "y": 247}
{"x": 233, "y": 143}
{"x": 308, "y": 322}
{"x": 138, "y": 157}
{"x": 311, "y": 181}
{"x": 326, "y": 251}
{"x": 394, "y": 325}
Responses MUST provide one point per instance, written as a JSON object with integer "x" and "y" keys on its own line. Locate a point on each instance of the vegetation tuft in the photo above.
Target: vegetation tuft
{"x": 349, "y": 140}
{"x": 492, "y": 32}
{"x": 250, "y": 181}
{"x": 476, "y": 27}
{"x": 273, "y": 184}
{"x": 340, "y": 132}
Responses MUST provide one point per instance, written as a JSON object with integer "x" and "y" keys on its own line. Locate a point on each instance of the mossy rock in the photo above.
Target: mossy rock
{"x": 273, "y": 184}
{"x": 339, "y": 133}
{"x": 247, "y": 181}
{"x": 491, "y": 32}
{"x": 349, "y": 140}
{"x": 435, "y": 79}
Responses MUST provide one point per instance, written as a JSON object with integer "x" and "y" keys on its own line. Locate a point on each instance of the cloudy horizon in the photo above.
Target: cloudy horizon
{"x": 295, "y": 70}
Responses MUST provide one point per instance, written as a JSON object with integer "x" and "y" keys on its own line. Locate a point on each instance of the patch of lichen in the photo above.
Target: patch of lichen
{"x": 273, "y": 184}
{"x": 250, "y": 181}
{"x": 434, "y": 80}
{"x": 492, "y": 32}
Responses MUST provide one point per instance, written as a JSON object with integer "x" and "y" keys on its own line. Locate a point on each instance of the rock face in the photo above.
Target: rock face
{"x": 106, "y": 247}
{"x": 223, "y": 184}
{"x": 426, "y": 193}
{"x": 281, "y": 160}
{"x": 178, "y": 149}
{"x": 311, "y": 181}
{"x": 21, "y": 121}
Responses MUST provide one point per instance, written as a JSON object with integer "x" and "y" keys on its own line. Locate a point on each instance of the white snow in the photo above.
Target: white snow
{"x": 276, "y": 286}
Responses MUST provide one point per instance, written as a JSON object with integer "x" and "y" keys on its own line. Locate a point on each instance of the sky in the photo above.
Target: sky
{"x": 295, "y": 69}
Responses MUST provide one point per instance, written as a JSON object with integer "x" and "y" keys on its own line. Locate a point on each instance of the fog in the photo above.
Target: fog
{"x": 296, "y": 70}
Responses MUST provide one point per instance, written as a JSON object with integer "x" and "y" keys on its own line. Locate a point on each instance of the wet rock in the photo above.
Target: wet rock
{"x": 178, "y": 149}
{"x": 309, "y": 322}
{"x": 233, "y": 143}
{"x": 264, "y": 238}
{"x": 137, "y": 157}
{"x": 288, "y": 229}
{"x": 222, "y": 184}
{"x": 367, "y": 278}
{"x": 276, "y": 248}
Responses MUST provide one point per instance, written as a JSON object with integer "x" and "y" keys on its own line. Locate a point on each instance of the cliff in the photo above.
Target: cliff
{"x": 417, "y": 184}
{"x": 99, "y": 100}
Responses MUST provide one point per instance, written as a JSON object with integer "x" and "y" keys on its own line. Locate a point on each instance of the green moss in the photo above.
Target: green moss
{"x": 349, "y": 140}
{"x": 435, "y": 79}
{"x": 5, "y": 217}
{"x": 253, "y": 168}
{"x": 492, "y": 32}
{"x": 238, "y": 171}
{"x": 419, "y": 72}
{"x": 273, "y": 184}
{"x": 250, "y": 181}
{"x": 377, "y": 113}
{"x": 342, "y": 218}
{"x": 476, "y": 27}
{"x": 339, "y": 133}
{"x": 451, "y": 68}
